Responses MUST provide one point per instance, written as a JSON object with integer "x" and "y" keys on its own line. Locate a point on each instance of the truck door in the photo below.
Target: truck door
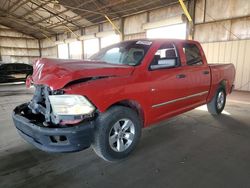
{"x": 168, "y": 83}
{"x": 197, "y": 73}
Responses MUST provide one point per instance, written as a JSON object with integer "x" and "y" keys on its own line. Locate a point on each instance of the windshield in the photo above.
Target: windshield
{"x": 125, "y": 53}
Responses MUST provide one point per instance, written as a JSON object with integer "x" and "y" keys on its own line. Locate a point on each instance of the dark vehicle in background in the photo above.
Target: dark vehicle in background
{"x": 14, "y": 72}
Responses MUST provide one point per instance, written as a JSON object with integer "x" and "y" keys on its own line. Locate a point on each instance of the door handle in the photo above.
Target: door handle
{"x": 205, "y": 72}
{"x": 180, "y": 76}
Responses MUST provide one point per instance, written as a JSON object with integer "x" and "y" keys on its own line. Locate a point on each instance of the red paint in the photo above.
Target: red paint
{"x": 138, "y": 84}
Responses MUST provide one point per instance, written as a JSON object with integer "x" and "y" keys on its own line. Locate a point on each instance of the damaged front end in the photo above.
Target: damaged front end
{"x": 51, "y": 129}
{"x": 41, "y": 104}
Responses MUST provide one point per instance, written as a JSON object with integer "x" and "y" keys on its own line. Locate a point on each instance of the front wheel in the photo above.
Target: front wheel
{"x": 217, "y": 104}
{"x": 117, "y": 133}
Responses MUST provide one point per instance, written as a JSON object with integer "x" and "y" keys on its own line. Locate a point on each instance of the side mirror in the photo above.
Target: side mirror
{"x": 164, "y": 63}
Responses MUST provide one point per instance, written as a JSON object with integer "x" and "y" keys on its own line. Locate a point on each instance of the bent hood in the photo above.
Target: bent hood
{"x": 56, "y": 73}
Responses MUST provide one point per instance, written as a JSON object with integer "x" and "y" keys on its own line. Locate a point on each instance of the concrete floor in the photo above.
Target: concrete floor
{"x": 192, "y": 150}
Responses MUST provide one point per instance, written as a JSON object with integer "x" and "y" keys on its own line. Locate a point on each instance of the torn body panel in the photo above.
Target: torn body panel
{"x": 58, "y": 73}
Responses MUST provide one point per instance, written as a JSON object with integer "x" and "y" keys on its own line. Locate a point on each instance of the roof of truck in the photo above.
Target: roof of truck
{"x": 162, "y": 39}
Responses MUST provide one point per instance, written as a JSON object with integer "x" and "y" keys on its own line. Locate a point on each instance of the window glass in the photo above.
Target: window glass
{"x": 19, "y": 67}
{"x": 127, "y": 53}
{"x": 113, "y": 55}
{"x": 91, "y": 46}
{"x": 192, "y": 53}
{"x": 75, "y": 49}
{"x": 10, "y": 67}
{"x": 63, "y": 52}
{"x": 4, "y": 67}
{"x": 29, "y": 67}
{"x": 165, "y": 57}
{"x": 22, "y": 67}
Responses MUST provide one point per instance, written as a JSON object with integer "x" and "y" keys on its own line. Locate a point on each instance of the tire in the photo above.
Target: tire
{"x": 117, "y": 133}
{"x": 217, "y": 104}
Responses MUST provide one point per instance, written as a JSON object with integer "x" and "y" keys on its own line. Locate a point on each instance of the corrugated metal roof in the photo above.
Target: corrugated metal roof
{"x": 41, "y": 18}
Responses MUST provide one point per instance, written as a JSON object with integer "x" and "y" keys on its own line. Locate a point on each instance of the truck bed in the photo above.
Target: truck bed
{"x": 218, "y": 71}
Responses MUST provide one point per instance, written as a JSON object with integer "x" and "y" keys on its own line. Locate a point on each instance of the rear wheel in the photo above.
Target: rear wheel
{"x": 117, "y": 133}
{"x": 217, "y": 104}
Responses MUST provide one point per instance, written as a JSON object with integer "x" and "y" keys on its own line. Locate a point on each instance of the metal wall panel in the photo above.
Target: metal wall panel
{"x": 91, "y": 30}
{"x": 108, "y": 27}
{"x": 49, "y": 48}
{"x": 17, "y": 47}
{"x": 50, "y": 52}
{"x": 164, "y": 13}
{"x": 199, "y": 11}
{"x": 46, "y": 43}
{"x": 133, "y": 24}
{"x": 224, "y": 9}
{"x": 223, "y": 30}
{"x": 62, "y": 37}
{"x": 246, "y": 72}
{"x": 19, "y": 52}
{"x": 135, "y": 36}
{"x": 10, "y": 33}
{"x": 240, "y": 28}
{"x": 18, "y": 42}
{"x": 210, "y": 32}
{"x": 236, "y": 52}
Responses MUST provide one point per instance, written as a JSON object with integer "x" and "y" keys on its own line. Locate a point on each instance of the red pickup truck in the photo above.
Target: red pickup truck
{"x": 106, "y": 101}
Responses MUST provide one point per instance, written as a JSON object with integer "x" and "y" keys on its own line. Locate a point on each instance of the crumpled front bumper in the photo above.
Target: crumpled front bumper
{"x": 67, "y": 139}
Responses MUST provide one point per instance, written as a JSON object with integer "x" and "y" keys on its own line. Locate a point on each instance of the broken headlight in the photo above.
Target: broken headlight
{"x": 70, "y": 105}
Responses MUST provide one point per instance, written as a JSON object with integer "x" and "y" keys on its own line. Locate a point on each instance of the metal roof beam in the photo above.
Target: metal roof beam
{"x": 47, "y": 9}
{"x": 62, "y": 22}
{"x": 100, "y": 15}
{"x": 75, "y": 19}
{"x": 35, "y": 9}
{"x": 52, "y": 16}
{"x": 100, "y": 5}
{"x": 16, "y": 6}
{"x": 24, "y": 22}
{"x": 72, "y": 18}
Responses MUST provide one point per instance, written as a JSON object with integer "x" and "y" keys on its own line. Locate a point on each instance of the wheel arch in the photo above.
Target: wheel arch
{"x": 224, "y": 85}
{"x": 136, "y": 106}
{"x": 214, "y": 87}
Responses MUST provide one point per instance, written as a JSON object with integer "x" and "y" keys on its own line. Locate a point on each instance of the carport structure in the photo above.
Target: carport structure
{"x": 194, "y": 149}
{"x": 45, "y": 18}
{"x": 64, "y": 29}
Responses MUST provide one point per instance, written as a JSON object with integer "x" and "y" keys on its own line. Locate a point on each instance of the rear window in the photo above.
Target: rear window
{"x": 193, "y": 55}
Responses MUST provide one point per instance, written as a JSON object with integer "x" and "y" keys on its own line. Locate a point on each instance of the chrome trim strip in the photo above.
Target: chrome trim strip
{"x": 180, "y": 99}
